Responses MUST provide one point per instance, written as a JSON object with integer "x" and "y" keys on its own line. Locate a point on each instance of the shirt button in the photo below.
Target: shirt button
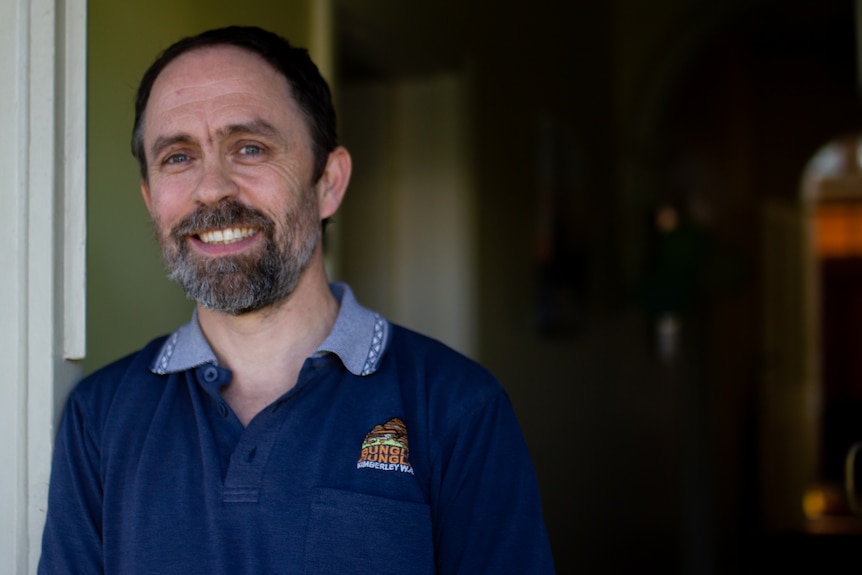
{"x": 210, "y": 374}
{"x": 222, "y": 409}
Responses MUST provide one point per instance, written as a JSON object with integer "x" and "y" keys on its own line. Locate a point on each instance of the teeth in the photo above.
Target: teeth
{"x": 226, "y": 236}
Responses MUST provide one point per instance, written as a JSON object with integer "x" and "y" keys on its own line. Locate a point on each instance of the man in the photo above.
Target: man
{"x": 285, "y": 429}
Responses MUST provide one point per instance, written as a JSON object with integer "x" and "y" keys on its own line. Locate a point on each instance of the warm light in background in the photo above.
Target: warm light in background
{"x": 839, "y": 229}
{"x": 814, "y": 503}
{"x": 826, "y": 510}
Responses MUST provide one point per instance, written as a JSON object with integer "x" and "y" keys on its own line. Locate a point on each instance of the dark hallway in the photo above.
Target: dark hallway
{"x": 662, "y": 372}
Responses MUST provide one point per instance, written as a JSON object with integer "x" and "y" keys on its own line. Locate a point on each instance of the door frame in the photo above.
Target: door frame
{"x": 43, "y": 230}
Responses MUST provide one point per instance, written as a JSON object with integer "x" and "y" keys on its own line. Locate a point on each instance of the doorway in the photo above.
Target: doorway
{"x": 833, "y": 187}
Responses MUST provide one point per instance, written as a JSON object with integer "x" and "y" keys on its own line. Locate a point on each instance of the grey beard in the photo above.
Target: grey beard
{"x": 241, "y": 284}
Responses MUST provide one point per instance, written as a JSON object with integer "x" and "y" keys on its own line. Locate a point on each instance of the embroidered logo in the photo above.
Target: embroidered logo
{"x": 386, "y": 448}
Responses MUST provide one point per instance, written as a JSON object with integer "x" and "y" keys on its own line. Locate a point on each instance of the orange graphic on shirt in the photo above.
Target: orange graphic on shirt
{"x": 386, "y": 447}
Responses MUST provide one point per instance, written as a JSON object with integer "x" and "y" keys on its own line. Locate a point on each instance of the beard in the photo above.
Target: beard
{"x": 242, "y": 283}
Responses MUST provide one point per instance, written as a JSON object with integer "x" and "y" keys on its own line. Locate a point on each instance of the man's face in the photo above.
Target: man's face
{"x": 229, "y": 168}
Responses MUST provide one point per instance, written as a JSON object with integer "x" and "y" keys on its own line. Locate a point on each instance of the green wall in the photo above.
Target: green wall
{"x": 129, "y": 300}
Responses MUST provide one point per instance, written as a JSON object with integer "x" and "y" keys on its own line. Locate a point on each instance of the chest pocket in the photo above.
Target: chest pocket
{"x": 358, "y": 534}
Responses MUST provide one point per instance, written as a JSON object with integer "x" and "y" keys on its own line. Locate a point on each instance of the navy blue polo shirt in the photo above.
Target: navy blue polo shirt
{"x": 391, "y": 454}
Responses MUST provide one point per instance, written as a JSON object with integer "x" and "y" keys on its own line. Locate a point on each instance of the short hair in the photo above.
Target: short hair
{"x": 307, "y": 86}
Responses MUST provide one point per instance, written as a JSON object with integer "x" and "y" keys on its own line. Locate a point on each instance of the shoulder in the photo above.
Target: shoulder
{"x": 95, "y": 393}
{"x": 437, "y": 374}
{"x": 433, "y": 357}
{"x": 431, "y": 353}
{"x": 119, "y": 369}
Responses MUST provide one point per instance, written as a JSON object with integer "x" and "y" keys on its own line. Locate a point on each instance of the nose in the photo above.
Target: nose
{"x": 215, "y": 183}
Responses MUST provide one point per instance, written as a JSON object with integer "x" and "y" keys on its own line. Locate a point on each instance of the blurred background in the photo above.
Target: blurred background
{"x": 643, "y": 217}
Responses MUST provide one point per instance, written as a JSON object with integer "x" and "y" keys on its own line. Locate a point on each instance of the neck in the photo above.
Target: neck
{"x": 265, "y": 349}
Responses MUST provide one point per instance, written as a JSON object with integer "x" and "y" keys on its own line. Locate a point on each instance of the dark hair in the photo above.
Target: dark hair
{"x": 308, "y": 87}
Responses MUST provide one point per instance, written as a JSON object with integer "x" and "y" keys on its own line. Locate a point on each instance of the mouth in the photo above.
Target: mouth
{"x": 226, "y": 236}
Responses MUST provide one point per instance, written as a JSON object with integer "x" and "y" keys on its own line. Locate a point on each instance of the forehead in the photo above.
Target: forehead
{"x": 215, "y": 83}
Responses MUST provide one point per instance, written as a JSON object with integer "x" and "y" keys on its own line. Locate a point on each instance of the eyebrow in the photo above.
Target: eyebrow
{"x": 164, "y": 142}
{"x": 256, "y": 127}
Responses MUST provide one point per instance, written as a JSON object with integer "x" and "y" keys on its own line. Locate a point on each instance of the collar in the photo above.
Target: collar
{"x": 359, "y": 338}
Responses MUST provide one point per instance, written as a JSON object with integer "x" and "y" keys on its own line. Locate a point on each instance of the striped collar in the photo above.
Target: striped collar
{"x": 359, "y": 338}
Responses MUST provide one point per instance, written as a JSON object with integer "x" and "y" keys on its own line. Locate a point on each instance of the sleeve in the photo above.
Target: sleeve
{"x": 72, "y": 540}
{"x": 487, "y": 507}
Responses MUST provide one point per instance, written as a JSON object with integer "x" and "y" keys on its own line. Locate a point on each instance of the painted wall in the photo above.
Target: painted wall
{"x": 407, "y": 221}
{"x": 129, "y": 299}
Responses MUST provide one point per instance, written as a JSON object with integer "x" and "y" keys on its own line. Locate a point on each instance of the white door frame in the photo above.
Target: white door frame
{"x": 42, "y": 230}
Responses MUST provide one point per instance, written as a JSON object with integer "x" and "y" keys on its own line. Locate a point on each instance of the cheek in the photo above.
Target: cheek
{"x": 276, "y": 190}
{"x": 273, "y": 178}
{"x": 169, "y": 198}
{"x": 165, "y": 214}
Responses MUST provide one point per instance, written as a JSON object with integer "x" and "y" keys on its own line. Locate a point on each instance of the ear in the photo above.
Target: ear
{"x": 145, "y": 192}
{"x": 333, "y": 183}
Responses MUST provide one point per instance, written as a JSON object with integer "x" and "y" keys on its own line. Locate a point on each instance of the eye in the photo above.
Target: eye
{"x": 176, "y": 159}
{"x": 250, "y": 150}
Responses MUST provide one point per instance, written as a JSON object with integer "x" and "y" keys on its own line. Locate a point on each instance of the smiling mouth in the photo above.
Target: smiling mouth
{"x": 226, "y": 235}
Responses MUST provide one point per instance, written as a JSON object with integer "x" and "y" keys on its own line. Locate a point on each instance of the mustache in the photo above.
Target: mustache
{"x": 225, "y": 214}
